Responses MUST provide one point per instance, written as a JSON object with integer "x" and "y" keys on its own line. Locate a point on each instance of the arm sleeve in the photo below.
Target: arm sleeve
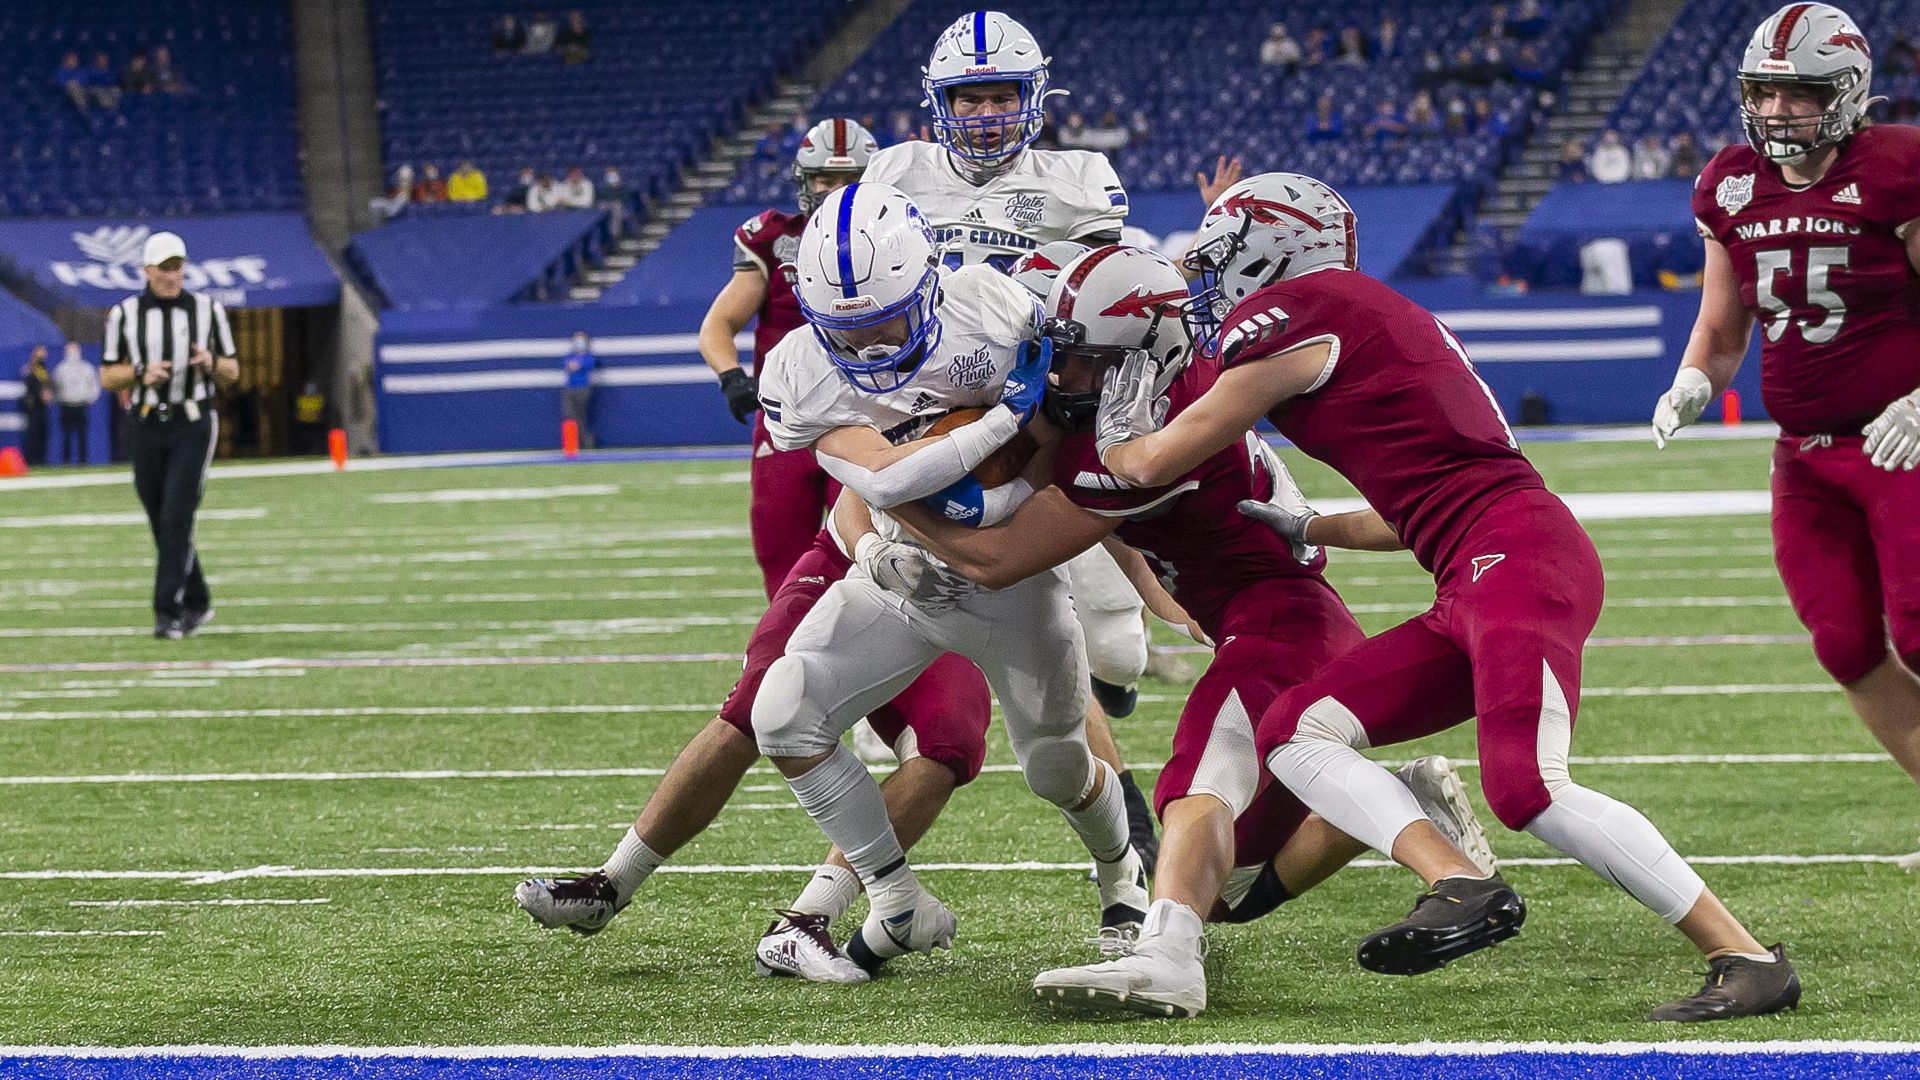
{"x": 929, "y": 469}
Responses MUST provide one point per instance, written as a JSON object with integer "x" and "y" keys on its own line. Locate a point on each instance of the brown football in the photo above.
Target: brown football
{"x": 1001, "y": 466}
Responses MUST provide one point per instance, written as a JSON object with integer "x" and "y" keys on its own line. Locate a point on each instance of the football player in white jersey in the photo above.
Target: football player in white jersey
{"x": 896, "y": 341}
{"x": 993, "y": 199}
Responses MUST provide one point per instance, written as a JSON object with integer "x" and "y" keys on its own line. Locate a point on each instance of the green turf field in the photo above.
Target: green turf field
{"x": 626, "y": 560}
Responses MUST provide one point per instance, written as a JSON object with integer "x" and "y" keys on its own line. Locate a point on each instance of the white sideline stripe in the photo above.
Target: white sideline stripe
{"x": 555, "y": 348}
{"x": 652, "y": 771}
{"x": 1691, "y": 1048}
{"x": 224, "y": 902}
{"x": 1624, "y": 317}
{"x": 95, "y": 520}
{"x": 83, "y": 933}
{"x": 455, "y": 495}
{"x": 1507, "y": 352}
{"x": 549, "y": 379}
{"x": 217, "y": 877}
{"x": 552, "y": 626}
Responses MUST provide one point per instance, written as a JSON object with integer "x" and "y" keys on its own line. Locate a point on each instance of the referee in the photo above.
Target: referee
{"x": 171, "y": 347}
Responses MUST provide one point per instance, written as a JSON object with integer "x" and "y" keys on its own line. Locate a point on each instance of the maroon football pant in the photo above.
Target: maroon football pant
{"x": 1846, "y": 535}
{"x": 1514, "y": 604}
{"x": 946, "y": 709}
{"x": 791, "y": 496}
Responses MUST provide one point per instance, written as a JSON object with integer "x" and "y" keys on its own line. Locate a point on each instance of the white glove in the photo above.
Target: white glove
{"x": 1893, "y": 439}
{"x": 1681, "y": 404}
{"x": 1131, "y": 402}
{"x": 1285, "y": 511}
{"x": 912, "y": 573}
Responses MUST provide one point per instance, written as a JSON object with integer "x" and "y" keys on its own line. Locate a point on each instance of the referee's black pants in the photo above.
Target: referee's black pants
{"x": 170, "y": 458}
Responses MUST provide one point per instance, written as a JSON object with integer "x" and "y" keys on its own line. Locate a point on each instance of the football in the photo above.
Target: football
{"x": 1001, "y": 466}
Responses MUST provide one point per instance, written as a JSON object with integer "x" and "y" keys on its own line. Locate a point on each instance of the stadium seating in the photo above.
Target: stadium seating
{"x": 661, "y": 81}
{"x": 1192, "y": 87}
{"x": 471, "y": 261}
{"x": 226, "y": 143}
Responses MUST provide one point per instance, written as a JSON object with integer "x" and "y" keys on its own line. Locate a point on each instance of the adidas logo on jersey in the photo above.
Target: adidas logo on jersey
{"x": 958, "y": 511}
{"x": 1848, "y": 194}
{"x": 974, "y": 217}
{"x": 1099, "y": 482}
{"x": 922, "y": 403}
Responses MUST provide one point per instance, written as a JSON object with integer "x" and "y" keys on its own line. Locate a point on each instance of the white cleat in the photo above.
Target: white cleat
{"x": 1123, "y": 896}
{"x": 1436, "y": 785}
{"x": 583, "y": 904}
{"x": 799, "y": 946}
{"x": 924, "y": 927}
{"x": 869, "y": 747}
{"x": 1164, "y": 975}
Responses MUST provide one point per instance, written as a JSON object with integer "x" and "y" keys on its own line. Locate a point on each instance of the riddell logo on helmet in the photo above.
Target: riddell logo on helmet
{"x": 858, "y": 303}
{"x": 984, "y": 69}
{"x": 1778, "y": 67}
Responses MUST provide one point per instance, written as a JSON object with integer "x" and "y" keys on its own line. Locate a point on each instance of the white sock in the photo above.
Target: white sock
{"x": 829, "y": 892}
{"x": 847, "y": 805}
{"x": 1357, "y": 796}
{"x": 631, "y": 863}
{"x": 1102, "y": 823}
{"x": 1617, "y": 842}
{"x": 1756, "y": 957}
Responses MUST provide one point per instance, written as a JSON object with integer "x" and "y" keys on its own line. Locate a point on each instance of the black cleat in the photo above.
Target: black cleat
{"x": 1457, "y": 916}
{"x": 165, "y": 626}
{"x": 192, "y": 621}
{"x": 1116, "y": 701}
{"x": 1737, "y": 986}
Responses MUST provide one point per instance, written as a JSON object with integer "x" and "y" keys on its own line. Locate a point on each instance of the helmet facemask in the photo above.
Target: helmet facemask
{"x": 1211, "y": 263}
{"x": 807, "y": 197}
{"x": 1782, "y": 138}
{"x": 1079, "y": 370}
{"x": 881, "y": 363}
{"x": 989, "y": 140}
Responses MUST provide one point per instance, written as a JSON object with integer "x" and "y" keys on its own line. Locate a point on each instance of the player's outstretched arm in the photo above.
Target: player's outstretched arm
{"x": 887, "y": 475}
{"x": 1134, "y": 451}
{"x": 1044, "y": 532}
{"x": 1152, "y": 593}
{"x": 1356, "y": 530}
{"x": 729, "y": 314}
{"x": 1714, "y": 350}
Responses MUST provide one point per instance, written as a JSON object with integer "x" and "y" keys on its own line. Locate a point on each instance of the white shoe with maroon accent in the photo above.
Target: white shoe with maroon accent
{"x": 800, "y": 946}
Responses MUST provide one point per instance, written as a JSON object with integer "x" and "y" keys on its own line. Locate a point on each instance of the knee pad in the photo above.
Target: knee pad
{"x": 1250, "y": 892}
{"x": 1326, "y": 720}
{"x": 787, "y": 722}
{"x": 1059, "y": 770}
{"x": 1116, "y": 645}
{"x": 1849, "y": 653}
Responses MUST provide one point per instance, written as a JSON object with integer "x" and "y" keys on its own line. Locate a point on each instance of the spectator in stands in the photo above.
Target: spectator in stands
{"x": 1326, "y": 124}
{"x": 398, "y": 194}
{"x": 467, "y": 184}
{"x": 1386, "y": 41}
{"x": 1486, "y": 120}
{"x": 1279, "y": 50}
{"x": 1352, "y": 48}
{"x": 1573, "y": 160}
{"x": 138, "y": 78}
{"x": 1651, "y": 161}
{"x": 1529, "y": 22}
{"x": 900, "y": 127}
{"x": 71, "y": 78}
{"x": 573, "y": 38}
{"x": 1314, "y": 49}
{"x": 611, "y": 195}
{"x": 1901, "y": 55}
{"x": 508, "y": 36}
{"x": 102, "y": 85}
{"x": 166, "y": 79}
{"x": 1609, "y": 162}
{"x": 1529, "y": 68}
{"x": 1458, "y": 125}
{"x": 1421, "y": 118}
{"x": 542, "y": 32}
{"x": 576, "y": 191}
{"x": 544, "y": 195}
{"x": 1073, "y": 133}
{"x": 36, "y": 400}
{"x": 1386, "y": 124}
{"x": 1686, "y": 156}
{"x": 576, "y": 397}
{"x": 430, "y": 188}
{"x": 519, "y": 197}
{"x": 1139, "y": 127}
{"x": 76, "y": 386}
{"x": 1497, "y": 27}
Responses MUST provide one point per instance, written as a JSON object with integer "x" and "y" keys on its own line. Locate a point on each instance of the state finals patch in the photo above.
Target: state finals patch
{"x": 1734, "y": 193}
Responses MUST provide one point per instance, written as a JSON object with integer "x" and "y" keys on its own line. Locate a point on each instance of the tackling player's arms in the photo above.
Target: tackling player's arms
{"x": 888, "y": 475}
{"x": 1356, "y": 530}
{"x": 736, "y": 305}
{"x": 1228, "y": 410}
{"x": 1046, "y": 531}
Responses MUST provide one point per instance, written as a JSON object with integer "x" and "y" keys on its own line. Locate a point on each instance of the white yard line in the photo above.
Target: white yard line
{"x": 223, "y": 902}
{"x": 82, "y": 933}
{"x": 131, "y": 517}
{"x": 560, "y": 627}
{"x": 499, "y": 494}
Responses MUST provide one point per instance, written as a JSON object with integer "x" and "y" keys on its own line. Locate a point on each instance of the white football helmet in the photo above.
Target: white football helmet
{"x": 1813, "y": 45}
{"x": 1037, "y": 269}
{"x": 868, "y": 280}
{"x": 830, "y": 146}
{"x": 1109, "y": 302}
{"x": 1264, "y": 229}
{"x": 987, "y": 47}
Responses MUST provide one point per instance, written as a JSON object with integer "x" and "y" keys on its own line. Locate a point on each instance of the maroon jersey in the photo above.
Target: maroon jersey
{"x": 1200, "y": 545}
{"x": 1824, "y": 269}
{"x": 765, "y": 243}
{"x": 1398, "y": 411}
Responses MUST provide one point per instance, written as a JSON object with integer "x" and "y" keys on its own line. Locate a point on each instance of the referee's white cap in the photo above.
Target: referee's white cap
{"x": 162, "y": 246}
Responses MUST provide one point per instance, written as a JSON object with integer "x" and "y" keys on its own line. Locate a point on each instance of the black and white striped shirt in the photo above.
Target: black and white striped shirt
{"x": 145, "y": 328}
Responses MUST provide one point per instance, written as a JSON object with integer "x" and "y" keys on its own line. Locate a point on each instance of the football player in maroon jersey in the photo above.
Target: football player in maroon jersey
{"x": 1372, "y": 384}
{"x": 1236, "y": 844}
{"x": 1813, "y": 231}
{"x": 791, "y": 493}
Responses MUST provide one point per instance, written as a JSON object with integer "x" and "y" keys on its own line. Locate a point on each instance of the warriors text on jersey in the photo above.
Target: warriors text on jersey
{"x": 1045, "y": 195}
{"x": 1825, "y": 271}
{"x": 765, "y": 243}
{"x": 1398, "y": 410}
{"x": 1203, "y": 549}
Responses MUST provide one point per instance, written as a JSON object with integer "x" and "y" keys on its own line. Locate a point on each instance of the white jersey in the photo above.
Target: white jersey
{"x": 1045, "y": 195}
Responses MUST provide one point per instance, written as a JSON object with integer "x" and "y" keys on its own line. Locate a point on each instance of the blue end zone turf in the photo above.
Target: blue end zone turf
{"x": 1722, "y": 1063}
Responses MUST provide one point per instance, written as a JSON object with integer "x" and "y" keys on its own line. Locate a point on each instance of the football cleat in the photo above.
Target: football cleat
{"x": 924, "y": 927}
{"x": 1123, "y": 894}
{"x": 1436, "y": 785}
{"x": 799, "y": 946}
{"x": 583, "y": 904}
{"x": 192, "y": 621}
{"x": 1737, "y": 986}
{"x": 1457, "y": 916}
{"x": 1163, "y": 975}
{"x": 168, "y": 628}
